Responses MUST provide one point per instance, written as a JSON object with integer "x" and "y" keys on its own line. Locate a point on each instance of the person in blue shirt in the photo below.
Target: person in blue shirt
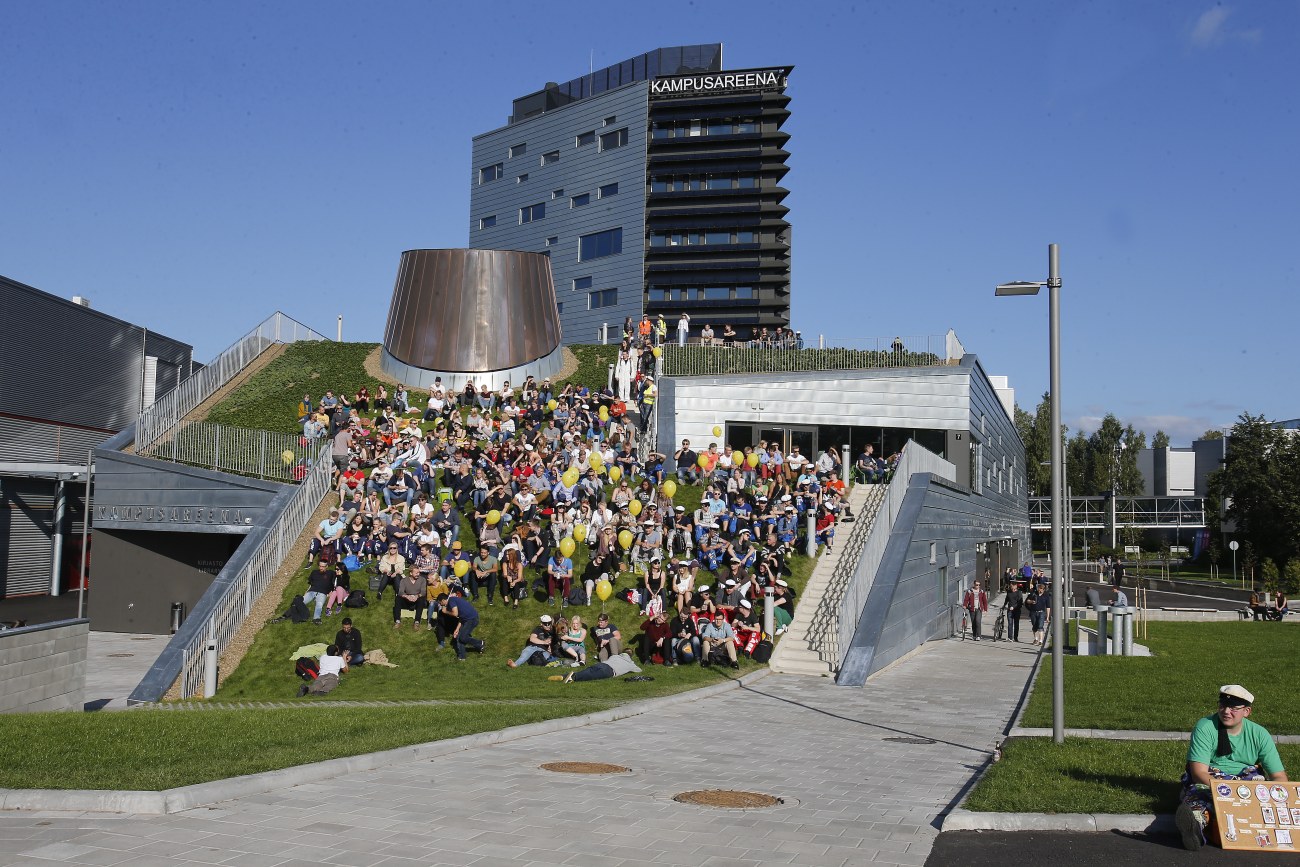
{"x": 559, "y": 572}
{"x": 466, "y": 615}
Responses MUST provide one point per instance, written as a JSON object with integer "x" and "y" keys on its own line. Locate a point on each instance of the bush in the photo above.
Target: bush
{"x": 1291, "y": 577}
{"x": 1269, "y": 575}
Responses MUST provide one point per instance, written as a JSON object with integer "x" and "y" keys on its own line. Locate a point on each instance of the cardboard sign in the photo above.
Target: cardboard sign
{"x": 1257, "y": 816}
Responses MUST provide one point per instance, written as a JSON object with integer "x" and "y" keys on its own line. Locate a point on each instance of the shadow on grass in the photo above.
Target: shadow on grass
{"x": 1160, "y": 795}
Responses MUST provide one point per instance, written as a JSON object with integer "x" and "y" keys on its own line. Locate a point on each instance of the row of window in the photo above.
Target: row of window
{"x": 683, "y": 183}
{"x": 696, "y": 237}
{"x": 702, "y": 293}
{"x": 702, "y": 127}
{"x": 532, "y": 213}
{"x": 608, "y": 141}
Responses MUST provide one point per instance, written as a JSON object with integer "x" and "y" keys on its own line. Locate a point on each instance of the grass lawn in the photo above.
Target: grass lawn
{"x": 153, "y": 750}
{"x": 1176, "y": 686}
{"x": 1086, "y": 775}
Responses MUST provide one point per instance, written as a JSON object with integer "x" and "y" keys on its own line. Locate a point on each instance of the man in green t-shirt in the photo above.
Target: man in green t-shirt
{"x": 1225, "y": 745}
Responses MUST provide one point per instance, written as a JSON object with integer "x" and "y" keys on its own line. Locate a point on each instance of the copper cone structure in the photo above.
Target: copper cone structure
{"x": 481, "y": 315}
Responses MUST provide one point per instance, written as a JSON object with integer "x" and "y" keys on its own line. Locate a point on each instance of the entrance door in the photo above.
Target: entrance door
{"x": 785, "y": 436}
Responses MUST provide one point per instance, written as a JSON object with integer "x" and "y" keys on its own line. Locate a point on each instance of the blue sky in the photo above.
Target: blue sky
{"x": 193, "y": 167}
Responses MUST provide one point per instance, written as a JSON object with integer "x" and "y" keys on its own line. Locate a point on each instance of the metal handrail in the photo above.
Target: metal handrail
{"x": 274, "y": 455}
{"x": 167, "y": 412}
{"x": 823, "y": 635}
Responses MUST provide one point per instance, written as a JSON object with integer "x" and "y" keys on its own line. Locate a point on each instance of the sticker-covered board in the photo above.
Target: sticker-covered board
{"x": 1260, "y": 817}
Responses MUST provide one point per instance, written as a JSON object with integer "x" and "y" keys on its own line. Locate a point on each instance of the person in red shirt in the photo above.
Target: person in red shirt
{"x": 352, "y": 479}
{"x": 976, "y": 602}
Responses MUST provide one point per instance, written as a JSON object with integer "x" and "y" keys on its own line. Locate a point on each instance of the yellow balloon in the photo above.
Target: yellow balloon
{"x": 604, "y": 589}
{"x": 615, "y": 473}
{"x": 717, "y": 430}
{"x": 670, "y": 488}
{"x": 658, "y": 352}
{"x": 752, "y": 460}
{"x": 580, "y": 532}
{"x": 287, "y": 457}
{"x": 460, "y": 567}
{"x": 596, "y": 461}
{"x": 493, "y": 517}
{"x": 567, "y": 546}
{"x": 570, "y": 477}
{"x": 702, "y": 461}
{"x": 634, "y": 507}
{"x": 625, "y": 539}
{"x": 603, "y": 412}
{"x": 551, "y": 404}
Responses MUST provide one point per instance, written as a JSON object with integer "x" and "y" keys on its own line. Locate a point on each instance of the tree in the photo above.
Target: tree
{"x": 1078, "y": 464}
{"x": 1291, "y": 577}
{"x": 1260, "y": 484}
{"x": 1269, "y": 575}
{"x": 1035, "y": 432}
{"x": 1212, "y": 434}
{"x": 1160, "y": 440}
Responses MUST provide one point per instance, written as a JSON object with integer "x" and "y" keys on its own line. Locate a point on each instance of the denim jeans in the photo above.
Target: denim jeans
{"x": 528, "y": 653}
{"x": 319, "y": 598}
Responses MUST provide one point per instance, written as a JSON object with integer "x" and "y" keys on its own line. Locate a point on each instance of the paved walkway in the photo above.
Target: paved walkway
{"x": 115, "y": 663}
{"x": 858, "y": 786}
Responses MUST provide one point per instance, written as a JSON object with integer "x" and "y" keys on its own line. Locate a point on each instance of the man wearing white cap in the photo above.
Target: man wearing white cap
{"x": 539, "y": 641}
{"x": 1225, "y": 745}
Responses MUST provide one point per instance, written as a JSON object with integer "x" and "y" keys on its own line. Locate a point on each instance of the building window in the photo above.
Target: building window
{"x": 717, "y": 293}
{"x": 598, "y": 244}
{"x": 609, "y": 190}
{"x": 557, "y": 194}
{"x": 602, "y": 298}
{"x": 615, "y": 139}
{"x": 518, "y": 150}
{"x": 717, "y": 238}
{"x": 747, "y": 183}
{"x": 532, "y": 213}
{"x": 490, "y": 173}
{"x": 553, "y": 240}
{"x": 522, "y": 179}
{"x": 579, "y": 201}
{"x": 745, "y": 293}
{"x": 720, "y": 182}
{"x": 487, "y": 222}
{"x": 610, "y": 121}
{"x": 559, "y": 307}
{"x": 585, "y": 138}
{"x": 581, "y": 284}
{"x": 550, "y": 158}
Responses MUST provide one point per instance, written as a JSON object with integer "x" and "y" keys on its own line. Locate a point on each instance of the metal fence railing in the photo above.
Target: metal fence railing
{"x": 274, "y": 455}
{"x": 933, "y": 350}
{"x": 823, "y": 636}
{"x": 916, "y": 459}
{"x": 222, "y": 609}
{"x": 169, "y": 410}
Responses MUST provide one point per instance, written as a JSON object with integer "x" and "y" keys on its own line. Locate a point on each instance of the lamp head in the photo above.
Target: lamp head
{"x": 1021, "y": 287}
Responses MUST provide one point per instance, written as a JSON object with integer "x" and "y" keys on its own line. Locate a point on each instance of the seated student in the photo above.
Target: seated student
{"x": 657, "y": 639}
{"x": 609, "y": 641}
{"x": 539, "y": 641}
{"x": 342, "y": 587}
{"x": 719, "y": 635}
{"x": 332, "y": 664}
{"x": 410, "y": 595}
{"x": 616, "y": 665}
{"x": 573, "y": 642}
{"x": 748, "y": 625}
{"x": 325, "y": 540}
{"x": 392, "y": 569}
{"x": 319, "y": 585}
{"x": 1224, "y": 746}
{"x": 348, "y": 641}
{"x": 686, "y": 638}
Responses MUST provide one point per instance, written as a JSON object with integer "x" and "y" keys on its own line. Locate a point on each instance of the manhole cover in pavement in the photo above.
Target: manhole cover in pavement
{"x": 120, "y": 655}
{"x": 728, "y": 798}
{"x": 919, "y": 741}
{"x": 584, "y": 768}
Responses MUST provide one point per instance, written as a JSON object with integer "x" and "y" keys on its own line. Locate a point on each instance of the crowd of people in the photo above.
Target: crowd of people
{"x": 478, "y": 497}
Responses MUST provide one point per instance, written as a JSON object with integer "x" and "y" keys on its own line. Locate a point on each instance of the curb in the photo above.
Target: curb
{"x": 965, "y": 820}
{"x": 1125, "y": 735}
{"x": 187, "y": 797}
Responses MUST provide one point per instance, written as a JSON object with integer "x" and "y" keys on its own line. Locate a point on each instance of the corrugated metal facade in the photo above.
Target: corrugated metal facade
{"x": 26, "y": 533}
{"x": 26, "y": 440}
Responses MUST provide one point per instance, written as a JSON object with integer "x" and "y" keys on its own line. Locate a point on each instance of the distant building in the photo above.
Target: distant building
{"x": 654, "y": 186}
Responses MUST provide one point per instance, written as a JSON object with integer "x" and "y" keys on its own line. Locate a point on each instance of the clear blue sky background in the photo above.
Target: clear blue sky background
{"x": 193, "y": 167}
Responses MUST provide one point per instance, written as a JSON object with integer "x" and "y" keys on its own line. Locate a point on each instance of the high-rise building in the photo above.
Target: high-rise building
{"x": 654, "y": 186}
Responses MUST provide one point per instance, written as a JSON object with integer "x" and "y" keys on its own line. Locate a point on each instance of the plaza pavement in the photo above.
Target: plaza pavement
{"x": 853, "y": 793}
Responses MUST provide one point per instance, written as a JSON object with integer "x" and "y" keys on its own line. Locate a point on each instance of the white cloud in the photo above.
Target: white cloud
{"x": 1211, "y": 28}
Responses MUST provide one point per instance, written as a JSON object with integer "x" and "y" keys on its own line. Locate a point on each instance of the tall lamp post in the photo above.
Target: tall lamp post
{"x": 1053, "y": 285}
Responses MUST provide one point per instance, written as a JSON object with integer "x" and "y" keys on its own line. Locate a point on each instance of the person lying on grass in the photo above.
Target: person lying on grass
{"x": 332, "y": 664}
{"x": 1225, "y": 745}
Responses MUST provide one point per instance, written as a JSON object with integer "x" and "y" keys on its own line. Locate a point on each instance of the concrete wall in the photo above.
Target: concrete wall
{"x": 44, "y": 667}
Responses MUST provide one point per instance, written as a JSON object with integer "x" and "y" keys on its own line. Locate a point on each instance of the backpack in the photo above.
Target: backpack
{"x": 298, "y": 612}
{"x": 577, "y": 595}
{"x": 356, "y": 599}
{"x": 762, "y": 651}
{"x": 352, "y": 562}
{"x": 538, "y": 659}
{"x": 306, "y": 668}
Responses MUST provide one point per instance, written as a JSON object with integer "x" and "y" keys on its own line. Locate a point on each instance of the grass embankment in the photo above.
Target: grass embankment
{"x": 1179, "y": 683}
{"x": 153, "y": 750}
{"x": 1088, "y": 775}
{"x": 1168, "y": 691}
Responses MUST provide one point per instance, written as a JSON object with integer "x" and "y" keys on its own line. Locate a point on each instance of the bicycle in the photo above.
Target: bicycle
{"x": 1000, "y": 625}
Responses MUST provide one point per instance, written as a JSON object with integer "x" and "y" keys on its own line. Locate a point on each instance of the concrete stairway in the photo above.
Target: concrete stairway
{"x": 818, "y": 608}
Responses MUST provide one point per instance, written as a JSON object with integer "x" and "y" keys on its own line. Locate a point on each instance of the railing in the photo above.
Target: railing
{"x": 916, "y": 459}
{"x": 823, "y": 636}
{"x": 273, "y": 455}
{"x": 222, "y": 609}
{"x": 168, "y": 411}
{"x": 859, "y": 354}
{"x": 1093, "y": 513}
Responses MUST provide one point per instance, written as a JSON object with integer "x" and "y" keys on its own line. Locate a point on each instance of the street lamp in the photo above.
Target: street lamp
{"x": 1114, "y": 490}
{"x": 1025, "y": 287}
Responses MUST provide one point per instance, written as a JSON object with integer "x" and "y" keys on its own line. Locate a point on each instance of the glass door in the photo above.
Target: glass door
{"x": 786, "y": 436}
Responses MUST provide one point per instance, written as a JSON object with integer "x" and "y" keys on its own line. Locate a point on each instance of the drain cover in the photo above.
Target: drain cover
{"x": 584, "y": 768}
{"x": 728, "y": 798}
{"x": 120, "y": 655}
{"x": 919, "y": 741}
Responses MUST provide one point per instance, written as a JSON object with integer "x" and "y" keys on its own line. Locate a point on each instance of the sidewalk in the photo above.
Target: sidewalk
{"x": 864, "y": 774}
